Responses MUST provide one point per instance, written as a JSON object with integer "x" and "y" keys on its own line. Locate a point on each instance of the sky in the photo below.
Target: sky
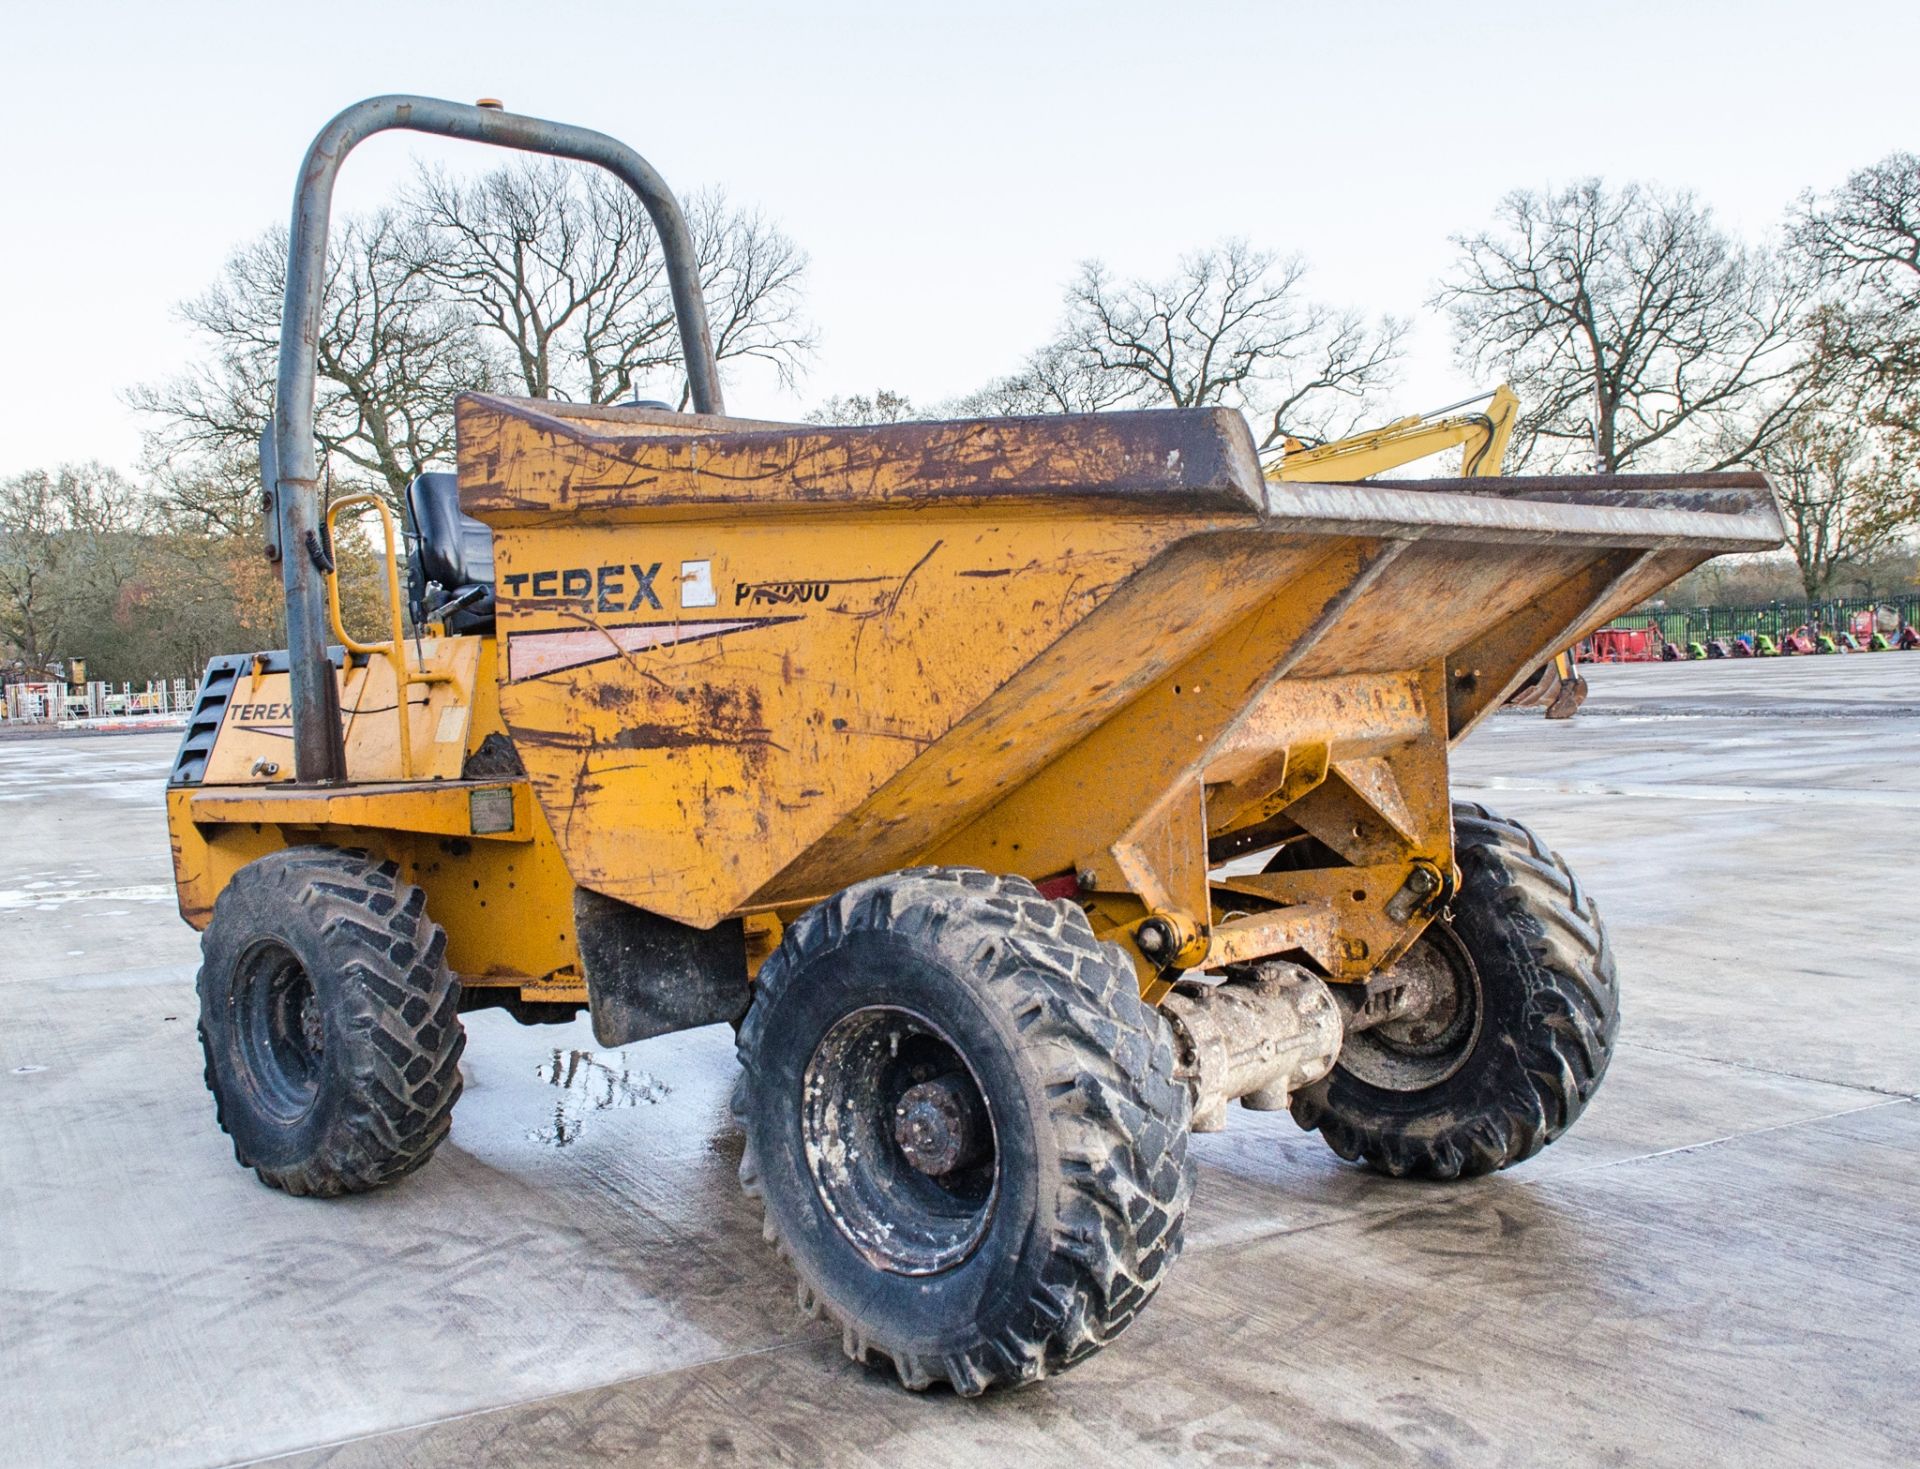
{"x": 945, "y": 166}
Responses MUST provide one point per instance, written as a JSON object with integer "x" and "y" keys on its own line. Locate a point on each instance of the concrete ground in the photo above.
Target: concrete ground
{"x": 1719, "y": 1264}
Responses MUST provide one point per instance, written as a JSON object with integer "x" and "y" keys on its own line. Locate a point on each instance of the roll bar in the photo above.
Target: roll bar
{"x": 319, "y": 752}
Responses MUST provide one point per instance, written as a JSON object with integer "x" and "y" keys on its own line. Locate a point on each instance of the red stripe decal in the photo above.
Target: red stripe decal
{"x": 535, "y": 654}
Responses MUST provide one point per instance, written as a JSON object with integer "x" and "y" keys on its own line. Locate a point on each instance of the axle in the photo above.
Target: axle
{"x": 1259, "y": 1039}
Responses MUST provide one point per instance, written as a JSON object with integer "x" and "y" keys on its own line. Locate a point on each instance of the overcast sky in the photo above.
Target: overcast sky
{"x": 945, "y": 166}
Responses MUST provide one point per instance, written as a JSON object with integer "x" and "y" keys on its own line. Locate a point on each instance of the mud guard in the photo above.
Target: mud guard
{"x": 648, "y": 975}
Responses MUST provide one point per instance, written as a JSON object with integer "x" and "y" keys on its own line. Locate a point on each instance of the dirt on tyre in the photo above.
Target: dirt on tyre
{"x": 963, "y": 1126}
{"x": 330, "y": 1021}
{"x": 1516, "y": 1052}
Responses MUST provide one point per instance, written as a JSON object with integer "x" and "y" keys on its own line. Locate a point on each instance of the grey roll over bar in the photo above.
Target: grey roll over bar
{"x": 319, "y": 752}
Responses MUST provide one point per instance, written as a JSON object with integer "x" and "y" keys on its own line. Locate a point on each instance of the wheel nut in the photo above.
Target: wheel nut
{"x": 313, "y": 1028}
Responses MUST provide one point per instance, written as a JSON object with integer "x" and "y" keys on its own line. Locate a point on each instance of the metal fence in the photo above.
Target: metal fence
{"x": 51, "y": 702}
{"x": 1835, "y": 615}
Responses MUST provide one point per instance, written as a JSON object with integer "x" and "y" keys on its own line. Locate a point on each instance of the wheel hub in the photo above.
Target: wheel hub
{"x": 313, "y": 1029}
{"x": 1429, "y": 1020}
{"x": 899, "y": 1140}
{"x": 281, "y": 1030}
{"x": 940, "y": 1126}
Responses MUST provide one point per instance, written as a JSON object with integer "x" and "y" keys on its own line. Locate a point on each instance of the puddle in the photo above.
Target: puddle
{"x": 589, "y": 1082}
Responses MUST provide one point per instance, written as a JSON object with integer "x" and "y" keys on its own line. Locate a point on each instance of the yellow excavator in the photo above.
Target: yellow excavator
{"x": 1481, "y": 437}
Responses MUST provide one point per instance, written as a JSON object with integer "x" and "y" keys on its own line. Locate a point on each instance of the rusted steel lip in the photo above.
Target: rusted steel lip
{"x": 1690, "y": 511}
{"x": 1197, "y": 461}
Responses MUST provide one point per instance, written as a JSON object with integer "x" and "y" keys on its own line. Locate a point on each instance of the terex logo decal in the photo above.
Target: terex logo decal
{"x": 624, "y": 588}
{"x": 583, "y": 591}
{"x": 262, "y": 717}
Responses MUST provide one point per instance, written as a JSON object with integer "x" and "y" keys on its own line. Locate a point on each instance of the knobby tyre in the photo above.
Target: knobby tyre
{"x": 1539, "y": 1009}
{"x": 329, "y": 1021}
{"x": 970, "y": 1003}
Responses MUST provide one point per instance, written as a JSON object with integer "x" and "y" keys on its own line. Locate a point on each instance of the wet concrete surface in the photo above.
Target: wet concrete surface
{"x": 1720, "y": 1264}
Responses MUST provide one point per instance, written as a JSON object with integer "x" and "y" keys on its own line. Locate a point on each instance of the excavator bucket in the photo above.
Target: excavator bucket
{"x": 1555, "y": 684}
{"x": 1568, "y": 698}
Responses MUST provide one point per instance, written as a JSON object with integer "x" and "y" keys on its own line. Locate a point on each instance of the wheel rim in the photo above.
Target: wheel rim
{"x": 282, "y": 1033}
{"x": 900, "y": 1140}
{"x": 1418, "y": 1051}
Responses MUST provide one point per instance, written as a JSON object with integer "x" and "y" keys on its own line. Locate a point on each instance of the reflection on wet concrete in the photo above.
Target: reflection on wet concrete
{"x": 588, "y": 1082}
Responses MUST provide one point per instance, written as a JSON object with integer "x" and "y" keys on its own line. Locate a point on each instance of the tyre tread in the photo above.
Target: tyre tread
{"x": 400, "y": 1007}
{"x": 1574, "y": 995}
{"x": 1121, "y": 1115}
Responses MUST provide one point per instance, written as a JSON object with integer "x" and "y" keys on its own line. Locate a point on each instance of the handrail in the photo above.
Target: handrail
{"x": 394, "y": 650}
{"x": 319, "y": 753}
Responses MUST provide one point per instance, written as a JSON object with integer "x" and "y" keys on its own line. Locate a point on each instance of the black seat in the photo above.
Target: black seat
{"x": 452, "y": 559}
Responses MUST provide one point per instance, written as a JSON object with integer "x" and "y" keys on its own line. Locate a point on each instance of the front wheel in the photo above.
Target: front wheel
{"x": 1519, "y": 1036}
{"x": 964, "y": 1127}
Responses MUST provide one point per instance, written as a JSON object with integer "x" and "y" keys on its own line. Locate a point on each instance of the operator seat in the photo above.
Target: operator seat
{"x": 452, "y": 557}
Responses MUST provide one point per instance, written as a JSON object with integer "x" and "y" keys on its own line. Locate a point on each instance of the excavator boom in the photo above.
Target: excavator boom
{"x": 1481, "y": 437}
{"x": 1482, "y": 440}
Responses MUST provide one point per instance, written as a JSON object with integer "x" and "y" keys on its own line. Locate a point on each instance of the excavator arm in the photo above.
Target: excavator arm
{"x": 1481, "y": 437}
{"x": 1482, "y": 440}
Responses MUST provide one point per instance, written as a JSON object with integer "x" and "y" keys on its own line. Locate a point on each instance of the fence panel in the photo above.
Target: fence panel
{"x": 1834, "y": 615}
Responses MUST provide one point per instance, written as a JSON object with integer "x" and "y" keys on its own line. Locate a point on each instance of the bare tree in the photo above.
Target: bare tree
{"x": 526, "y": 249}
{"x": 141, "y": 581}
{"x": 562, "y": 269}
{"x": 65, "y": 544}
{"x": 1055, "y": 378}
{"x": 1862, "y": 242}
{"x": 885, "y": 406}
{"x": 540, "y": 274}
{"x": 391, "y": 358}
{"x": 1232, "y": 326}
{"x": 1633, "y": 328}
{"x": 753, "y": 276}
{"x": 1838, "y": 487}
{"x": 209, "y": 494}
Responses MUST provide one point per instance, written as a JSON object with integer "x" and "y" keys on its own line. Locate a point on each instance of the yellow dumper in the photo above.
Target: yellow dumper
{"x": 1026, "y": 791}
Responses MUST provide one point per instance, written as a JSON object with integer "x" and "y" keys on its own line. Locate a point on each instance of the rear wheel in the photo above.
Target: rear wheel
{"x": 329, "y": 1021}
{"x": 1516, "y": 1039}
{"x": 963, "y": 1126}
